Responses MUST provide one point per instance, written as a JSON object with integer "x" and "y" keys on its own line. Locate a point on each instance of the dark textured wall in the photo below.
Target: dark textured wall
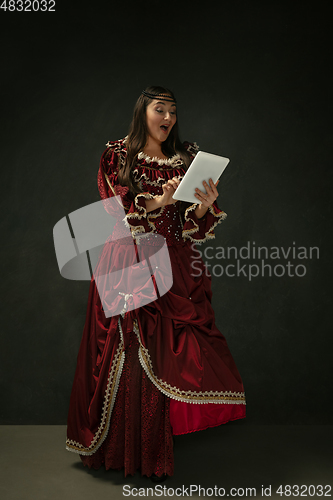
{"x": 252, "y": 82}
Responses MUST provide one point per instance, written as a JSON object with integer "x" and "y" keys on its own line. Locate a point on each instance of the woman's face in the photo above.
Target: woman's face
{"x": 161, "y": 117}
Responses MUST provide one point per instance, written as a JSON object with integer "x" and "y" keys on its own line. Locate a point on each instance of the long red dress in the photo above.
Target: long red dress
{"x": 161, "y": 366}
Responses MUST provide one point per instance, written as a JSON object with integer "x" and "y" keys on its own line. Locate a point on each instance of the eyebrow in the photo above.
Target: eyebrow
{"x": 160, "y": 102}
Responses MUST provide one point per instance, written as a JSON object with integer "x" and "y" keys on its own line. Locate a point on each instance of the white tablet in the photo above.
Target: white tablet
{"x": 205, "y": 166}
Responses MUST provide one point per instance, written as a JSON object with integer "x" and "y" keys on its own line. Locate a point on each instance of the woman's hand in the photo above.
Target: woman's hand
{"x": 206, "y": 199}
{"x": 168, "y": 190}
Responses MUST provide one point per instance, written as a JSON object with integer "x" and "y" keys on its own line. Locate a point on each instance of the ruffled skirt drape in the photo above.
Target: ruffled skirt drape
{"x": 162, "y": 369}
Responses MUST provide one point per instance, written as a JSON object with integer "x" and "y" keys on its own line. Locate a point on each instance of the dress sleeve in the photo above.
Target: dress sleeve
{"x": 136, "y": 218}
{"x": 200, "y": 230}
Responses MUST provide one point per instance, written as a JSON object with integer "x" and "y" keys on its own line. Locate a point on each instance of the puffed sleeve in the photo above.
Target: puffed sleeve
{"x": 200, "y": 230}
{"x": 136, "y": 218}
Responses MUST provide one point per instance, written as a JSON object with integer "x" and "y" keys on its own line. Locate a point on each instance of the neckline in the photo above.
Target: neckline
{"x": 155, "y": 159}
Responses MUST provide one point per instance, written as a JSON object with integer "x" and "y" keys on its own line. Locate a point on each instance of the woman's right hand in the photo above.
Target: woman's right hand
{"x": 168, "y": 190}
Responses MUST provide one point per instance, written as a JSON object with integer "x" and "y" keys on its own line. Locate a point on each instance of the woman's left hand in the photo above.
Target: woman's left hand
{"x": 206, "y": 199}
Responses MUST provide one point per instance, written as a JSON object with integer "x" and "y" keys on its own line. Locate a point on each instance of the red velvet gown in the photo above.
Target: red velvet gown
{"x": 160, "y": 369}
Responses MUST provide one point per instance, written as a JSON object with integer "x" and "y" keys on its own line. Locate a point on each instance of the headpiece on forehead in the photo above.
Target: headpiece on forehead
{"x": 162, "y": 97}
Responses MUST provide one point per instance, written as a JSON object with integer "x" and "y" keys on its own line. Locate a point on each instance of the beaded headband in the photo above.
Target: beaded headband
{"x": 162, "y": 97}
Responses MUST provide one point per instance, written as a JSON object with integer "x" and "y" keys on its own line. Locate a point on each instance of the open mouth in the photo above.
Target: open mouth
{"x": 164, "y": 128}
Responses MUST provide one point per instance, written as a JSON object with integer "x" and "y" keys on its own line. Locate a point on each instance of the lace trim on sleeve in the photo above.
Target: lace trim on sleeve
{"x": 209, "y": 235}
{"x": 192, "y": 148}
{"x": 140, "y": 231}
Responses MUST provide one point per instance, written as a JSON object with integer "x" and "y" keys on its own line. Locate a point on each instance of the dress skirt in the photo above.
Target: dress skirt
{"x": 140, "y": 435}
{"x": 158, "y": 370}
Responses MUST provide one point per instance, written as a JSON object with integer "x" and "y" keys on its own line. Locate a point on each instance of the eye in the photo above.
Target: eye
{"x": 159, "y": 111}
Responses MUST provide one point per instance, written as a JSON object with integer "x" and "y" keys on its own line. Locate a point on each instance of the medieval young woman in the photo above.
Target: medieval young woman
{"x": 159, "y": 367}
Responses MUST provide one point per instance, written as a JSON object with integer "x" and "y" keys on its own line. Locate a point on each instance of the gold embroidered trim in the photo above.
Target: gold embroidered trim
{"x": 223, "y": 397}
{"x": 209, "y": 235}
{"x": 108, "y": 404}
{"x": 200, "y": 397}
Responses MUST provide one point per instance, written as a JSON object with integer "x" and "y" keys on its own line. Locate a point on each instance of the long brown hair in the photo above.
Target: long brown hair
{"x": 138, "y": 136}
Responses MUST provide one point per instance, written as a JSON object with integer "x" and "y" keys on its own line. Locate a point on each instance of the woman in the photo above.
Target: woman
{"x": 159, "y": 367}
